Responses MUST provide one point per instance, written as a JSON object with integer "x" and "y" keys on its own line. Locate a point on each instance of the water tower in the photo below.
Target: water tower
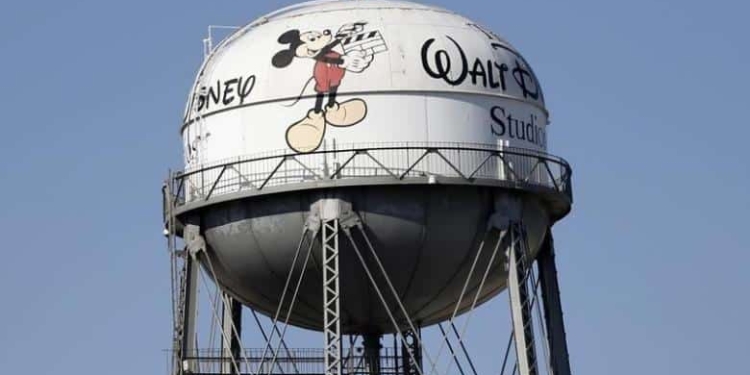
{"x": 366, "y": 169}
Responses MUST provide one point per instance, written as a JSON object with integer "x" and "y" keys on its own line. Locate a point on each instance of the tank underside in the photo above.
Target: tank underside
{"x": 426, "y": 236}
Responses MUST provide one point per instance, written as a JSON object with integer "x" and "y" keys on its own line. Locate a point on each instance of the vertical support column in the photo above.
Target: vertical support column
{"x": 189, "y": 290}
{"x": 372, "y": 353}
{"x": 330, "y": 215}
{"x": 411, "y": 344}
{"x": 520, "y": 303}
{"x": 231, "y": 325}
{"x": 553, "y": 314}
{"x": 190, "y": 286}
{"x": 177, "y": 284}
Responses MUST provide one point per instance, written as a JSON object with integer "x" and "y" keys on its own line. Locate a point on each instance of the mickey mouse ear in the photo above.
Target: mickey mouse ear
{"x": 289, "y": 37}
{"x": 283, "y": 58}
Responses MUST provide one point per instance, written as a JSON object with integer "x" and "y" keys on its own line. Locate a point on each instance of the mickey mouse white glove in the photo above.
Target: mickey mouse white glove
{"x": 356, "y": 61}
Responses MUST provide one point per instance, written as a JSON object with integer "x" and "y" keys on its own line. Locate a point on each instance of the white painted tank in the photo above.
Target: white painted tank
{"x": 328, "y": 73}
{"x": 274, "y": 101}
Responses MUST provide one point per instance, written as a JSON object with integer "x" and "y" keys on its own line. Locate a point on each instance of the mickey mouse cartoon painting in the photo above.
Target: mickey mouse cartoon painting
{"x": 349, "y": 50}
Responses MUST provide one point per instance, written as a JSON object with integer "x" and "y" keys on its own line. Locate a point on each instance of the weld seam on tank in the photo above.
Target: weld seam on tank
{"x": 203, "y": 116}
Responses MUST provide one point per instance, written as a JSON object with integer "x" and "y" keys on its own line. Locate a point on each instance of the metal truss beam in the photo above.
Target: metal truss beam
{"x": 331, "y": 297}
{"x": 411, "y": 352}
{"x": 331, "y": 215}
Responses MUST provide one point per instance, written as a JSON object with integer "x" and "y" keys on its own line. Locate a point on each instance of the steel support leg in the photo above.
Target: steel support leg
{"x": 330, "y": 211}
{"x": 520, "y": 300}
{"x": 187, "y": 347}
{"x": 553, "y": 314}
{"x": 372, "y": 353}
{"x": 189, "y": 298}
{"x": 231, "y": 325}
{"x": 411, "y": 345}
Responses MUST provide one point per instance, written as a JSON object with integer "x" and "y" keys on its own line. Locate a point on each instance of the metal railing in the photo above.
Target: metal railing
{"x": 474, "y": 164}
{"x": 293, "y": 361}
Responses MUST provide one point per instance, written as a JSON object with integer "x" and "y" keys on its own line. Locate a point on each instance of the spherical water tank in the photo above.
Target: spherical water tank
{"x": 424, "y": 121}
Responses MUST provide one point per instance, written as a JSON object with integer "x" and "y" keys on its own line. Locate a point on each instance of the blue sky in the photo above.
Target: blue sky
{"x": 648, "y": 101}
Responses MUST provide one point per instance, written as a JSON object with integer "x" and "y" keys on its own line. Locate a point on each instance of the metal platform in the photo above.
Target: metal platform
{"x": 436, "y": 163}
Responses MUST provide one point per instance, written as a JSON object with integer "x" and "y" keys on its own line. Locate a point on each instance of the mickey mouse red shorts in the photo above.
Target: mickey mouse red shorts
{"x": 326, "y": 76}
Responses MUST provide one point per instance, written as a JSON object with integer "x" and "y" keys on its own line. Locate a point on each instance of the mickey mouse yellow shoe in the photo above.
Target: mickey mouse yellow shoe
{"x": 347, "y": 113}
{"x": 307, "y": 134}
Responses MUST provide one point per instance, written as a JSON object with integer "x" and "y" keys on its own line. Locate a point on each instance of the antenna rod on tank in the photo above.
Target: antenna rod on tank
{"x": 208, "y": 42}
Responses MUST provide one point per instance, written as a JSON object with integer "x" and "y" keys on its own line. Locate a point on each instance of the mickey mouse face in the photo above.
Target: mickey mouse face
{"x": 313, "y": 42}
{"x": 305, "y": 45}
